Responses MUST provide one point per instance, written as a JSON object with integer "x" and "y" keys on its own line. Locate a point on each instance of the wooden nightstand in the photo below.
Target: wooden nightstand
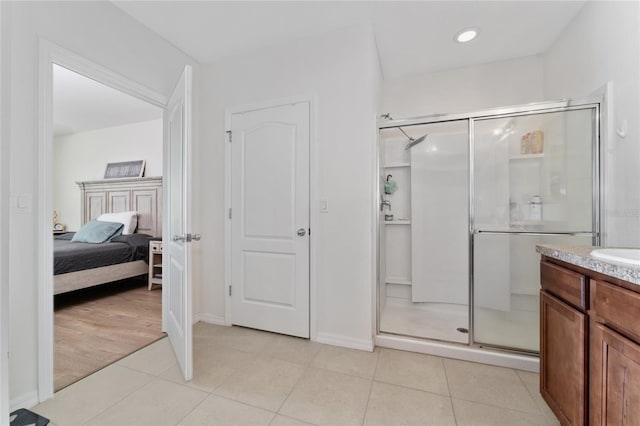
{"x": 155, "y": 263}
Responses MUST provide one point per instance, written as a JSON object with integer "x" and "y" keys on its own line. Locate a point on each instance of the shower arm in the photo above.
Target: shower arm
{"x": 412, "y": 142}
{"x": 405, "y": 133}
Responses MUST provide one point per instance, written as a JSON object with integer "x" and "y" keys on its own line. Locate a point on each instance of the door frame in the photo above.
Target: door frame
{"x": 51, "y": 54}
{"x": 314, "y": 200}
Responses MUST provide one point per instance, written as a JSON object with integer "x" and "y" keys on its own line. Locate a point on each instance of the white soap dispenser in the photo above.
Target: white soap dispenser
{"x": 535, "y": 209}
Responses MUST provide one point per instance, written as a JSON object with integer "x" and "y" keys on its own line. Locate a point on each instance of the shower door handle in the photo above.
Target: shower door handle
{"x": 301, "y": 232}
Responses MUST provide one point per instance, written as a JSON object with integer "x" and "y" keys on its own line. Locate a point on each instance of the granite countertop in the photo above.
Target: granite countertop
{"x": 581, "y": 256}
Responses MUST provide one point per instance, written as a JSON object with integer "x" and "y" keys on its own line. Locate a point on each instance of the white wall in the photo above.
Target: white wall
{"x": 84, "y": 156}
{"x": 4, "y": 227}
{"x": 468, "y": 89}
{"x": 102, "y": 33}
{"x": 602, "y": 44}
{"x": 337, "y": 68}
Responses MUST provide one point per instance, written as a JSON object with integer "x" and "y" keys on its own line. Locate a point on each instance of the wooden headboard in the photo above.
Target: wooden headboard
{"x": 143, "y": 195}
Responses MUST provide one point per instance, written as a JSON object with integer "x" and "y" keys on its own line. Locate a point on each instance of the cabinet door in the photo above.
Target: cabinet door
{"x": 615, "y": 378}
{"x": 563, "y": 363}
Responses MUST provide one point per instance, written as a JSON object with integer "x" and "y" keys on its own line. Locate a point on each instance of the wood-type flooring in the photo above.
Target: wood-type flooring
{"x": 98, "y": 326}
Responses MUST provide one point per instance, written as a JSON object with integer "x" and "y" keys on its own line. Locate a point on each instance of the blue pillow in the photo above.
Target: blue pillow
{"x": 97, "y": 232}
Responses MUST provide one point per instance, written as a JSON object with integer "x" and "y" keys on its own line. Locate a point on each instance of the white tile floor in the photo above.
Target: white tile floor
{"x": 248, "y": 377}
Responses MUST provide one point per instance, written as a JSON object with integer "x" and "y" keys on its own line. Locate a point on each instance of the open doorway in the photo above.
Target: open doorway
{"x": 107, "y": 225}
{"x": 175, "y": 199}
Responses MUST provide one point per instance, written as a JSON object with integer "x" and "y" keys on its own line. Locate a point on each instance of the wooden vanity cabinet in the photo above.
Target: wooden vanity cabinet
{"x": 614, "y": 355}
{"x": 564, "y": 343}
{"x": 589, "y": 346}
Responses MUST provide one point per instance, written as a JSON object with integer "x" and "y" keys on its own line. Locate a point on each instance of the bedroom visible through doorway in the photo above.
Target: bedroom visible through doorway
{"x": 107, "y": 230}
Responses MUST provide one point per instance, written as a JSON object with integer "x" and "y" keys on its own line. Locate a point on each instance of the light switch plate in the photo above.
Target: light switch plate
{"x": 23, "y": 203}
{"x": 324, "y": 206}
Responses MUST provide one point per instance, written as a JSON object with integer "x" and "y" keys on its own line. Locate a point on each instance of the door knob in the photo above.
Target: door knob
{"x": 302, "y": 232}
{"x": 187, "y": 238}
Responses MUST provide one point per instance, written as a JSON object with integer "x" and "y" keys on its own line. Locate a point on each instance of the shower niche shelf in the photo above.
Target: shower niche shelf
{"x": 398, "y": 281}
{"x": 397, "y": 222}
{"x": 396, "y": 165}
{"x": 526, "y": 157}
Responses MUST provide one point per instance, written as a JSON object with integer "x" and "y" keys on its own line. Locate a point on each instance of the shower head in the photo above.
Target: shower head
{"x": 414, "y": 142}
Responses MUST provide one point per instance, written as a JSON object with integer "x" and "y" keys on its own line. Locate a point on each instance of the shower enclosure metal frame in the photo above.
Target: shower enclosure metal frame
{"x": 513, "y": 111}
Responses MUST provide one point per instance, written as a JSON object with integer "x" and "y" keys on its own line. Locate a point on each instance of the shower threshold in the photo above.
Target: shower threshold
{"x": 459, "y": 351}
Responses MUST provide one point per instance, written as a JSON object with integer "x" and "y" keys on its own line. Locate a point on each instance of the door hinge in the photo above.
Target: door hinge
{"x": 229, "y": 290}
{"x": 229, "y": 134}
{"x": 229, "y": 213}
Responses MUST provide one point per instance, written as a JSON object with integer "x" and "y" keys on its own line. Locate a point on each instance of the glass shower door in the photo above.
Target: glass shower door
{"x": 533, "y": 183}
{"x": 426, "y": 242}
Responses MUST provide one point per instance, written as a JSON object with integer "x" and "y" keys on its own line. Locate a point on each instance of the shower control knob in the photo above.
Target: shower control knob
{"x": 301, "y": 232}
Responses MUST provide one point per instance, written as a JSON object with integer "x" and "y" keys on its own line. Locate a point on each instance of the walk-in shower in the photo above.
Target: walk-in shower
{"x": 457, "y": 261}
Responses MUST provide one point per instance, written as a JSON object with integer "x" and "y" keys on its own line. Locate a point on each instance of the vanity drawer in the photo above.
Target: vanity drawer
{"x": 568, "y": 285}
{"x": 616, "y": 307}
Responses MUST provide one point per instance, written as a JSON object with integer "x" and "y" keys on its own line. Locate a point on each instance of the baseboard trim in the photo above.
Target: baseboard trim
{"x": 344, "y": 341}
{"x": 210, "y": 319}
{"x": 27, "y": 400}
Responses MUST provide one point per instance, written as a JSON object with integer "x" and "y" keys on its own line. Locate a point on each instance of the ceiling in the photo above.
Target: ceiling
{"x": 81, "y": 104}
{"x": 412, "y": 37}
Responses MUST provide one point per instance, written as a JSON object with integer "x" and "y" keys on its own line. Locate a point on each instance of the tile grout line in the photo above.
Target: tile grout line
{"x": 194, "y": 408}
{"x": 184, "y": 385}
{"x": 541, "y": 409}
{"x": 446, "y": 376}
{"x": 373, "y": 380}
{"x": 410, "y": 388}
{"x": 342, "y": 372}
{"x": 306, "y": 368}
{"x": 151, "y": 377}
{"x": 227, "y": 399}
{"x": 531, "y": 395}
{"x": 502, "y": 408}
{"x": 512, "y": 370}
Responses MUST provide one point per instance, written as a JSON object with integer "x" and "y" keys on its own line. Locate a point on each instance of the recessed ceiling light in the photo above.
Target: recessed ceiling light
{"x": 466, "y": 35}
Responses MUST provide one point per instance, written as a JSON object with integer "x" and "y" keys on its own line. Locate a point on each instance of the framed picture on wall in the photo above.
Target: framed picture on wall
{"x": 125, "y": 169}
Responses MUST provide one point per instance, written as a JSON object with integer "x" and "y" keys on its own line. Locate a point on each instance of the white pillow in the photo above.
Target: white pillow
{"x": 128, "y": 219}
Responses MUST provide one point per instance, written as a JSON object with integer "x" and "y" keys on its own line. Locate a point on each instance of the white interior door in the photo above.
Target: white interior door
{"x": 177, "y": 286}
{"x": 270, "y": 219}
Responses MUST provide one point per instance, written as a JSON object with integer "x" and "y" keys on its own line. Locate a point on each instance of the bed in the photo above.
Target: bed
{"x": 81, "y": 265}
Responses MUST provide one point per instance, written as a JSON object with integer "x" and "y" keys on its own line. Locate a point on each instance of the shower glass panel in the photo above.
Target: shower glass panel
{"x": 424, "y": 286}
{"x": 533, "y": 183}
{"x": 507, "y": 287}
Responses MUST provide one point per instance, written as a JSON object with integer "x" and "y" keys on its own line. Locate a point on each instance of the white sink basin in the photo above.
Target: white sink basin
{"x": 631, "y": 256}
